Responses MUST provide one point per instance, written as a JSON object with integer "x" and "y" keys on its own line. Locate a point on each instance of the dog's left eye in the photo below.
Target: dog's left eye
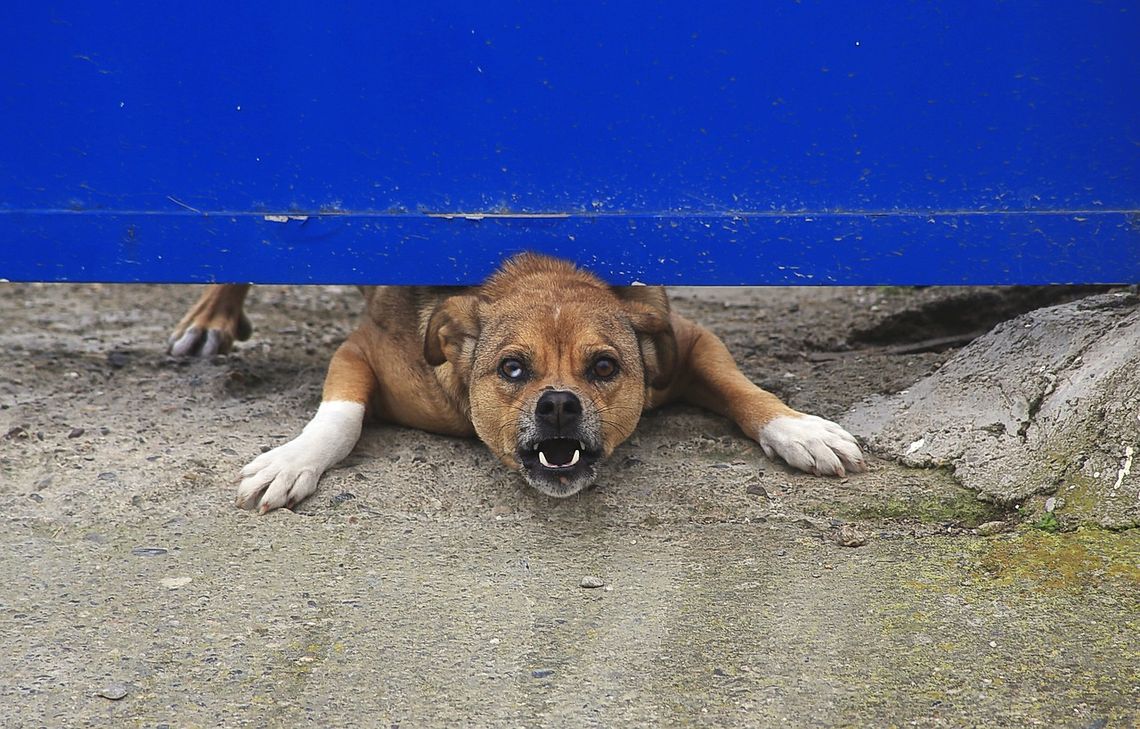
{"x": 604, "y": 368}
{"x": 512, "y": 369}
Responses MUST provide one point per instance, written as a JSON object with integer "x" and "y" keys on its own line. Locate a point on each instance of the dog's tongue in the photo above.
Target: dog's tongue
{"x": 558, "y": 452}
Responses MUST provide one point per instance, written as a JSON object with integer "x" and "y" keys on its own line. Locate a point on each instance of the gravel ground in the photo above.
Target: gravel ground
{"x": 426, "y": 585}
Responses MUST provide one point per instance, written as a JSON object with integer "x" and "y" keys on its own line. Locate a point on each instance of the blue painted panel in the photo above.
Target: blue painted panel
{"x": 685, "y": 142}
{"x": 693, "y": 249}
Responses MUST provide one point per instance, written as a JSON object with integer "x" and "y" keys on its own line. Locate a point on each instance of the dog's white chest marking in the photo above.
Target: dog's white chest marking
{"x": 289, "y": 473}
{"x": 811, "y": 444}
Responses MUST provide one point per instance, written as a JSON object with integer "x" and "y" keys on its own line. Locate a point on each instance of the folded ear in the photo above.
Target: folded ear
{"x": 648, "y": 308}
{"x": 452, "y": 332}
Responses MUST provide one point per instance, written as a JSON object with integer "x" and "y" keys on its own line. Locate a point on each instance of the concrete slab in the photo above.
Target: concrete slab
{"x": 423, "y": 585}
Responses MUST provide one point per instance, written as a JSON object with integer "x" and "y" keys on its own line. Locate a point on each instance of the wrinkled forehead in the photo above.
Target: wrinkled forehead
{"x": 567, "y": 327}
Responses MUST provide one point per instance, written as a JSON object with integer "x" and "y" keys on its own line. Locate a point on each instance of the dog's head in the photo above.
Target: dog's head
{"x": 555, "y": 365}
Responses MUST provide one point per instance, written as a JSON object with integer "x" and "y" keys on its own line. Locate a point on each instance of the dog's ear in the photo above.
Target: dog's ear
{"x": 648, "y": 308}
{"x": 452, "y": 332}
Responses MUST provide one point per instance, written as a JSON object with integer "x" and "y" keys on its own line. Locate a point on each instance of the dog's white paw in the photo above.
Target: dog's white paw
{"x": 283, "y": 476}
{"x": 286, "y": 475}
{"x": 812, "y": 444}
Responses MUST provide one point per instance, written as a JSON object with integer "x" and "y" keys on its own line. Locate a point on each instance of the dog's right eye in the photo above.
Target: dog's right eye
{"x": 512, "y": 369}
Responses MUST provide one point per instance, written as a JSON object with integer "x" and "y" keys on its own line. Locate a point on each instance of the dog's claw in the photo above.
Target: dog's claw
{"x": 183, "y": 346}
{"x": 195, "y": 340}
{"x": 213, "y": 323}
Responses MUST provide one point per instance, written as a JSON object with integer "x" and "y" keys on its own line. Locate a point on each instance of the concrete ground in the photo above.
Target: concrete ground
{"x": 424, "y": 585}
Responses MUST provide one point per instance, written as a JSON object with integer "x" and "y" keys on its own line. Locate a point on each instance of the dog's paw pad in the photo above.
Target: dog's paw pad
{"x": 812, "y": 444}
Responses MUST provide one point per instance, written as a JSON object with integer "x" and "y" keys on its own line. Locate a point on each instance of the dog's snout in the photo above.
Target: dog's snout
{"x": 560, "y": 409}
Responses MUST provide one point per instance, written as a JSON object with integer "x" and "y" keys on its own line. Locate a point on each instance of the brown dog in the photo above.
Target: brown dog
{"x": 545, "y": 363}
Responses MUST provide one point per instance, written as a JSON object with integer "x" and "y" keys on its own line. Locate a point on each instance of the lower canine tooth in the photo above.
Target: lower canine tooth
{"x": 542, "y": 459}
{"x": 574, "y": 459}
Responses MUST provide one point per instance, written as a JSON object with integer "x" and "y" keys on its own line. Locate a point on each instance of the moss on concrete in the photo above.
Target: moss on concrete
{"x": 1087, "y": 558}
{"x": 960, "y": 507}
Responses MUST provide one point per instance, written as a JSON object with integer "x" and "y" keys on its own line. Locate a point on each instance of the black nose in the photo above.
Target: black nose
{"x": 559, "y": 409}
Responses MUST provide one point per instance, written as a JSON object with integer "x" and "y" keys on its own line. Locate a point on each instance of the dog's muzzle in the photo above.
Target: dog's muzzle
{"x": 559, "y": 444}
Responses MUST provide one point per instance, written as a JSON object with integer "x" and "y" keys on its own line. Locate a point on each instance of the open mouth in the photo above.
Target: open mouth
{"x": 559, "y": 453}
{"x": 559, "y": 466}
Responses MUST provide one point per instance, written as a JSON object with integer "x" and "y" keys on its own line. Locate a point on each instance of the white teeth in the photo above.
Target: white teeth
{"x": 546, "y": 463}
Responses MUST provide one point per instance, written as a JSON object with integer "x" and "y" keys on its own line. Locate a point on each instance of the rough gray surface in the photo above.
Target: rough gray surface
{"x": 423, "y": 585}
{"x": 1048, "y": 403}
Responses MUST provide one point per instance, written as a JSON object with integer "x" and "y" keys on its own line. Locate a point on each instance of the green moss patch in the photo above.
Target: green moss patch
{"x": 1076, "y": 560}
{"x": 961, "y": 508}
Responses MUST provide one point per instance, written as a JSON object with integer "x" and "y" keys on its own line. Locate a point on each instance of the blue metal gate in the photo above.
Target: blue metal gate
{"x": 666, "y": 142}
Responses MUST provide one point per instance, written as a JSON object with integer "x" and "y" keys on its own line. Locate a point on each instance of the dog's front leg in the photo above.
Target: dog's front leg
{"x": 711, "y": 379}
{"x": 287, "y": 474}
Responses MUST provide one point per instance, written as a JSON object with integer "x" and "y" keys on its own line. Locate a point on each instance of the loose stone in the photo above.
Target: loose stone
{"x": 148, "y": 551}
{"x": 114, "y": 691}
{"x": 758, "y": 490}
{"x": 849, "y": 536}
{"x": 991, "y": 528}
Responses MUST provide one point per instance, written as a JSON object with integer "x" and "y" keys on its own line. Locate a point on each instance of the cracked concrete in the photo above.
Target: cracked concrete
{"x": 1047, "y": 403}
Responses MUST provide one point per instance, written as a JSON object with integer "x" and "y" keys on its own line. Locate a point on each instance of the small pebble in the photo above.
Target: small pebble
{"x": 114, "y": 691}
{"x": 991, "y": 528}
{"x": 173, "y": 583}
{"x": 148, "y": 551}
{"x": 590, "y": 581}
{"x": 117, "y": 360}
{"x": 1050, "y": 504}
{"x": 849, "y": 536}
{"x": 758, "y": 490}
{"x": 36, "y": 498}
{"x": 75, "y": 433}
{"x": 342, "y": 497}
{"x": 542, "y": 672}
